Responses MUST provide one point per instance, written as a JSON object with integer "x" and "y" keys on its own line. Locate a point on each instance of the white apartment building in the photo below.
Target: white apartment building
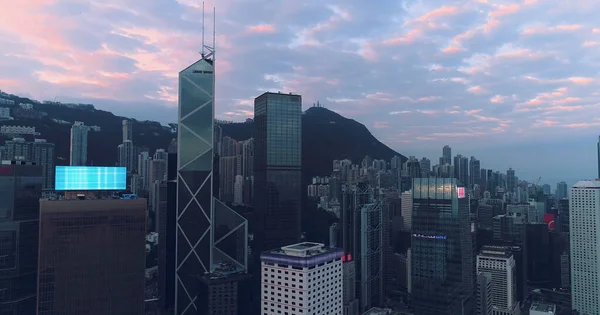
{"x": 499, "y": 263}
{"x": 304, "y": 278}
{"x": 79, "y": 144}
{"x": 584, "y": 217}
{"x": 17, "y": 130}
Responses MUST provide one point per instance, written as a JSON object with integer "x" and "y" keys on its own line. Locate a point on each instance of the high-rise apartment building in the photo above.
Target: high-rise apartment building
{"x": 304, "y": 278}
{"x": 20, "y": 191}
{"x": 40, "y": 152}
{"x": 500, "y": 264}
{"x": 79, "y": 143}
{"x": 443, "y": 260}
{"x": 461, "y": 169}
{"x": 598, "y": 148}
{"x": 584, "y": 205}
{"x": 561, "y": 191}
{"x": 484, "y": 293}
{"x": 127, "y": 130}
{"x": 208, "y": 233}
{"x": 126, "y": 155}
{"x": 277, "y": 168}
{"x": 474, "y": 172}
{"x": 92, "y": 256}
{"x": 446, "y": 155}
{"x": 406, "y": 205}
{"x": 511, "y": 180}
{"x": 425, "y": 167}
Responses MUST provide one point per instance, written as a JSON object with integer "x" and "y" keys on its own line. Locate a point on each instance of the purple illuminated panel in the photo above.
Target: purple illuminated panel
{"x": 461, "y": 192}
{"x": 432, "y": 237}
{"x": 301, "y": 262}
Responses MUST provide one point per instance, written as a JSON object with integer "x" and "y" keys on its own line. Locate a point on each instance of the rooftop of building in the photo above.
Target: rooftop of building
{"x": 91, "y": 204}
{"x": 225, "y": 272}
{"x": 279, "y": 93}
{"x": 304, "y": 249}
{"x": 496, "y": 251}
{"x": 588, "y": 184}
{"x": 382, "y": 311}
{"x": 543, "y": 307}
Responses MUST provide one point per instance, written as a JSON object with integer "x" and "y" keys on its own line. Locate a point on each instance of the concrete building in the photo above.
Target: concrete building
{"x": 92, "y": 257}
{"x": 499, "y": 263}
{"x": 541, "y": 308}
{"x": 407, "y": 207}
{"x": 484, "y": 293}
{"x": 584, "y": 205}
{"x": 304, "y": 278}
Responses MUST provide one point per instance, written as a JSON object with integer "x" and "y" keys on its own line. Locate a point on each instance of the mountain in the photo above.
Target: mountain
{"x": 326, "y": 135}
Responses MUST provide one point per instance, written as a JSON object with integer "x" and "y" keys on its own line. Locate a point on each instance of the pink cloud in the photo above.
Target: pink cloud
{"x": 261, "y": 28}
{"x": 473, "y": 111}
{"x": 551, "y": 29}
{"x": 429, "y": 99}
{"x": 368, "y": 52}
{"x": 438, "y": 13}
{"x": 582, "y": 125}
{"x": 581, "y": 80}
{"x": 596, "y": 30}
{"x": 589, "y": 43}
{"x": 498, "y": 99}
{"x": 409, "y": 37}
{"x": 477, "y": 90}
{"x": 452, "y": 50}
{"x": 567, "y": 100}
{"x": 68, "y": 79}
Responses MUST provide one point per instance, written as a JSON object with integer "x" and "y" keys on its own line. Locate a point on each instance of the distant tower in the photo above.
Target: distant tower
{"x": 598, "y": 147}
{"x": 127, "y": 131}
{"x": 79, "y": 140}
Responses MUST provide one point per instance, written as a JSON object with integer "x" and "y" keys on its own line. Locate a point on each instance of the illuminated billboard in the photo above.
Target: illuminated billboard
{"x": 461, "y": 192}
{"x": 90, "y": 178}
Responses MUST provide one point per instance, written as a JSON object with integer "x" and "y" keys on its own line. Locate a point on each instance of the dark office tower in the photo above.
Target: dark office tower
{"x": 490, "y": 182}
{"x": 223, "y": 292}
{"x": 443, "y": 258}
{"x": 20, "y": 190}
{"x": 277, "y": 168}
{"x": 127, "y": 130}
{"x": 538, "y": 255}
{"x": 474, "y": 172}
{"x": 483, "y": 178}
{"x": 361, "y": 218}
{"x": 166, "y": 238}
{"x": 511, "y": 180}
{"x": 446, "y": 155}
{"x": 598, "y": 148}
{"x": 562, "y": 191}
{"x": 563, "y": 215}
{"x": 461, "y": 169}
{"x": 92, "y": 257}
{"x": 425, "y": 167}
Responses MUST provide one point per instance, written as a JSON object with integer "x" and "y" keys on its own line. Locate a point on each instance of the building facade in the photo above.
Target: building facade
{"x": 499, "y": 263}
{"x": 20, "y": 190}
{"x": 277, "y": 168}
{"x": 584, "y": 204}
{"x": 304, "y": 278}
{"x": 443, "y": 260}
{"x": 92, "y": 257}
{"x": 79, "y": 143}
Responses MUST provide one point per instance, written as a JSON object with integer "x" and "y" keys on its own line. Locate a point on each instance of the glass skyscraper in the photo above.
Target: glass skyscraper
{"x": 443, "y": 260}
{"x": 208, "y": 233}
{"x": 277, "y": 168}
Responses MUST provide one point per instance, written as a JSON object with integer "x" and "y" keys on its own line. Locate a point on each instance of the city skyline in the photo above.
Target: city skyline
{"x": 522, "y": 96}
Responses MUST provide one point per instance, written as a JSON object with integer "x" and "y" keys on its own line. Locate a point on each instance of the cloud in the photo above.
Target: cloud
{"x": 439, "y": 71}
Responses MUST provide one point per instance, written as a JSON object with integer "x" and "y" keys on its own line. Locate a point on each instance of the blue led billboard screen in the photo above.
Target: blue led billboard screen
{"x": 90, "y": 178}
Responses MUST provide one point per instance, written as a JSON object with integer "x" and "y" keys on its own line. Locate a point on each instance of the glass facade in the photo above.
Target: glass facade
{"x": 208, "y": 233}
{"x": 194, "y": 181}
{"x": 20, "y": 190}
{"x": 277, "y": 168}
{"x": 443, "y": 260}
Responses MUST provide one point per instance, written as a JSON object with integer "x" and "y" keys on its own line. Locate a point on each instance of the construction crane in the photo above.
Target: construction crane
{"x": 538, "y": 181}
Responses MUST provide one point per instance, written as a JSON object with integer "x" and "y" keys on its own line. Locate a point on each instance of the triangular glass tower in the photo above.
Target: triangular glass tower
{"x": 208, "y": 232}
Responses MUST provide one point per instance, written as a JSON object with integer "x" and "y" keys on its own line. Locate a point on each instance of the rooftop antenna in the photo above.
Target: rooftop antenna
{"x": 214, "y": 47}
{"x": 202, "y": 53}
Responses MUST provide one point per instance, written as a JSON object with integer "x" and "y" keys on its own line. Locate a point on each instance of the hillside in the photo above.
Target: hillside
{"x": 325, "y": 135}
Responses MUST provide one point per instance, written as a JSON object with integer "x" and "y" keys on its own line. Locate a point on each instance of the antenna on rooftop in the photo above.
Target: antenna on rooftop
{"x": 214, "y": 46}
{"x": 202, "y": 53}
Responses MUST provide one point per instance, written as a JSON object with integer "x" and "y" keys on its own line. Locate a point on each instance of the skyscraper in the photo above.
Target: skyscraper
{"x": 79, "y": 141}
{"x": 446, "y": 155}
{"x": 461, "y": 170}
{"x": 584, "y": 227}
{"x": 500, "y": 264}
{"x": 127, "y": 130}
{"x": 511, "y": 180}
{"x": 474, "y": 172}
{"x": 209, "y": 233}
{"x": 277, "y": 168}
{"x": 561, "y": 191}
{"x": 20, "y": 192}
{"x": 443, "y": 260}
{"x": 598, "y": 147}
{"x": 92, "y": 256}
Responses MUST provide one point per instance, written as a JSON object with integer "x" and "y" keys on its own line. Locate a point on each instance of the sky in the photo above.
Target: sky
{"x": 514, "y": 83}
